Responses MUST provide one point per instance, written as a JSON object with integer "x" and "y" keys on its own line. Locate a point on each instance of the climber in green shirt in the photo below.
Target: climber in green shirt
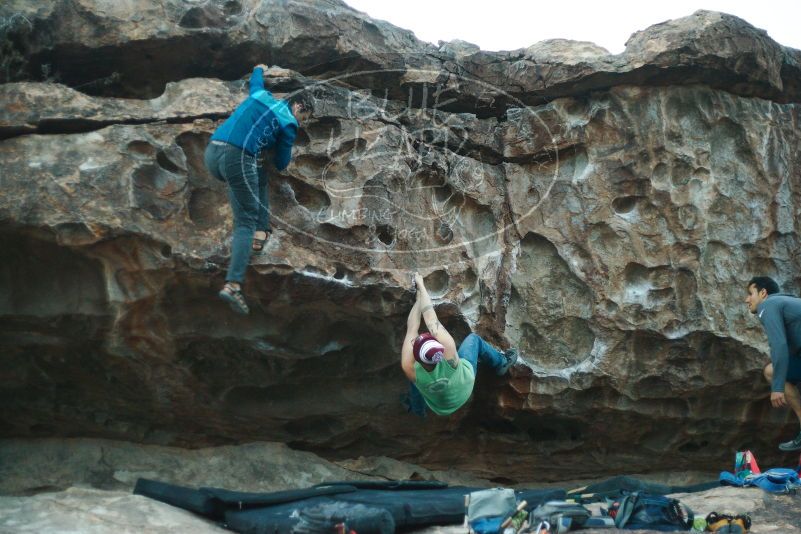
{"x": 441, "y": 374}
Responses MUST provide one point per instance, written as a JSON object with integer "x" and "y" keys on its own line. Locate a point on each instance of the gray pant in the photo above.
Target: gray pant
{"x": 247, "y": 194}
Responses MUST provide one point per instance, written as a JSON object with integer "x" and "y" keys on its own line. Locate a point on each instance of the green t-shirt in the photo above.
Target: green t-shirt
{"x": 445, "y": 389}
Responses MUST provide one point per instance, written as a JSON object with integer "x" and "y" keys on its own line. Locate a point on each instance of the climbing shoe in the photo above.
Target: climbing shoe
{"x": 726, "y": 524}
{"x": 792, "y": 445}
{"x": 511, "y": 357}
{"x": 719, "y": 523}
{"x": 234, "y": 298}
{"x": 740, "y": 524}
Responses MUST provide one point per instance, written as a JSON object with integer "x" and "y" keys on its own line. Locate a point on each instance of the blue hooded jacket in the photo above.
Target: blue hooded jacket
{"x": 261, "y": 122}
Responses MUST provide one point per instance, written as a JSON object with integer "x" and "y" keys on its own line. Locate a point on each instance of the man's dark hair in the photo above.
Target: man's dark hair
{"x": 764, "y": 282}
{"x": 304, "y": 98}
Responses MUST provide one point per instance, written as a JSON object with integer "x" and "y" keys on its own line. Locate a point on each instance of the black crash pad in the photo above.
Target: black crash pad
{"x": 411, "y": 504}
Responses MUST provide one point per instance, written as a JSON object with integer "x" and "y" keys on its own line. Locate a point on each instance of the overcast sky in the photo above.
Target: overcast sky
{"x": 511, "y": 24}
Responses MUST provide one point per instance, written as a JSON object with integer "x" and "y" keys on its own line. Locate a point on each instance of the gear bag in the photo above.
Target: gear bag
{"x": 651, "y": 512}
{"x": 776, "y": 480}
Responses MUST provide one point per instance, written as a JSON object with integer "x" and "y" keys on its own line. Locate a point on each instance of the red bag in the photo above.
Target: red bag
{"x": 745, "y": 461}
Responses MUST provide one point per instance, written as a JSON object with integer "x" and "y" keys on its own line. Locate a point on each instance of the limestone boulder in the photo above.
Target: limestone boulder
{"x": 601, "y": 213}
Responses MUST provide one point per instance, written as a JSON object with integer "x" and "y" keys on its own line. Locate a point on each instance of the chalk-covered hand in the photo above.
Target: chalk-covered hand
{"x": 418, "y": 280}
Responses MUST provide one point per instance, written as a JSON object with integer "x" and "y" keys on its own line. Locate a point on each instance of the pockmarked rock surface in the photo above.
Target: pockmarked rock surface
{"x": 602, "y": 213}
{"x": 134, "y": 48}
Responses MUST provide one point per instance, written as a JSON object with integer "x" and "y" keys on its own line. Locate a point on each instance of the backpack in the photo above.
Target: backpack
{"x": 651, "y": 512}
{"x": 487, "y": 509}
{"x": 563, "y": 515}
{"x": 745, "y": 464}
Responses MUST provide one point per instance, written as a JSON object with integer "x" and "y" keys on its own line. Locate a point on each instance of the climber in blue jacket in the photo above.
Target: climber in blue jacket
{"x": 780, "y": 315}
{"x": 261, "y": 122}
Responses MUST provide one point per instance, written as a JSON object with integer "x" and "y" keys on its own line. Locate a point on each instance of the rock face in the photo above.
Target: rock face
{"x": 48, "y": 465}
{"x": 600, "y": 212}
{"x": 97, "y": 512}
{"x": 32, "y": 466}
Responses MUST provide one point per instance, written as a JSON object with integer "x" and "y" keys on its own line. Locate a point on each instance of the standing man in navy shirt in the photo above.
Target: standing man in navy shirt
{"x": 780, "y": 315}
{"x": 261, "y": 122}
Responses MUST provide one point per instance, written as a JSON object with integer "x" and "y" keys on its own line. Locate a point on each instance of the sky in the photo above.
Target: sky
{"x": 511, "y": 24}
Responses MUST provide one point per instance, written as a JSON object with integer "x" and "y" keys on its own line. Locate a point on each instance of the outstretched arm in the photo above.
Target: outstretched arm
{"x": 283, "y": 147}
{"x": 257, "y": 79}
{"x": 412, "y": 327}
{"x": 433, "y": 324}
